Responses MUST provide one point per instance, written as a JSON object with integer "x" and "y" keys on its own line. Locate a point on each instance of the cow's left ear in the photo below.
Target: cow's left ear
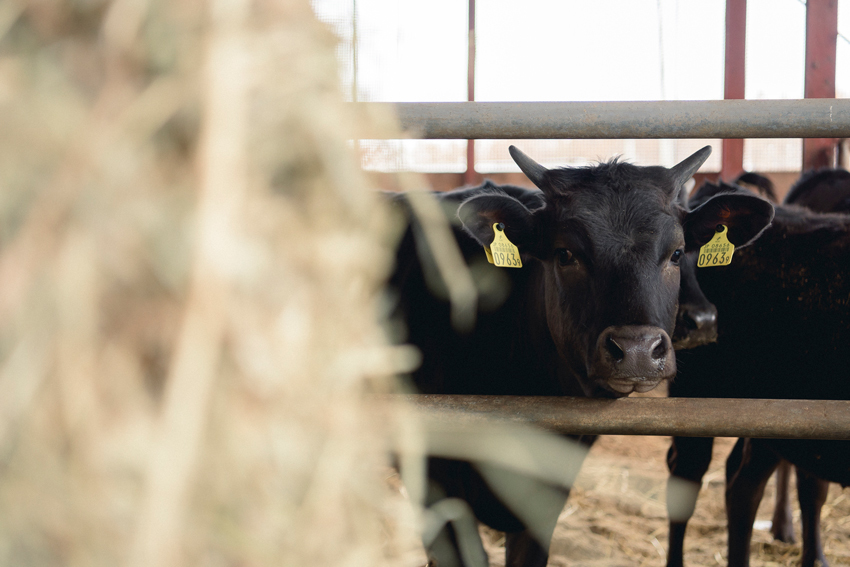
{"x": 479, "y": 213}
{"x": 746, "y": 216}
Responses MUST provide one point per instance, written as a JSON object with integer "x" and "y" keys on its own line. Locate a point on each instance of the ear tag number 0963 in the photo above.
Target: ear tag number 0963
{"x": 717, "y": 251}
{"x": 502, "y": 251}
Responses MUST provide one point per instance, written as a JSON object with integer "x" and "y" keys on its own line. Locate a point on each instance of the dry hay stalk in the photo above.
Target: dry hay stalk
{"x": 191, "y": 264}
{"x": 189, "y": 281}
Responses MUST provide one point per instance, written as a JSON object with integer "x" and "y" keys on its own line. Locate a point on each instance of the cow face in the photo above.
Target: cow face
{"x": 607, "y": 245}
{"x": 696, "y": 319}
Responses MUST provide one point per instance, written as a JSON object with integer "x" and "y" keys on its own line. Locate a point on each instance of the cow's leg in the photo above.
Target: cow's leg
{"x": 688, "y": 460}
{"x": 443, "y": 550}
{"x": 530, "y": 548}
{"x": 523, "y": 550}
{"x": 782, "y": 526}
{"x": 748, "y": 469}
{"x": 812, "y": 493}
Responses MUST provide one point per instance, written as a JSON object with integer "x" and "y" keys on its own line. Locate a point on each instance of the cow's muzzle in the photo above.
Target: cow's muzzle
{"x": 633, "y": 358}
{"x": 696, "y": 324}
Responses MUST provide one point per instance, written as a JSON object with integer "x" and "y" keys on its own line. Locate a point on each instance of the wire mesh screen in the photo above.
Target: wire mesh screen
{"x": 773, "y": 154}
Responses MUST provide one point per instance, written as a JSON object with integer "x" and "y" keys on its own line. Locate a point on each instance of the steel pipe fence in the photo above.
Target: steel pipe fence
{"x": 805, "y": 118}
{"x": 685, "y": 417}
{"x": 689, "y": 417}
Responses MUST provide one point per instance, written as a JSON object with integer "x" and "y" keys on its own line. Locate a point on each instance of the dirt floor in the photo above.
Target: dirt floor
{"x": 616, "y": 514}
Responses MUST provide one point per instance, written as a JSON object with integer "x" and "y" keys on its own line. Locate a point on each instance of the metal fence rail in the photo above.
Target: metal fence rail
{"x": 806, "y": 118}
{"x": 697, "y": 417}
{"x": 686, "y": 417}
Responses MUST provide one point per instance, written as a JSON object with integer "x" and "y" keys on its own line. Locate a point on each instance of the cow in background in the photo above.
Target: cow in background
{"x": 783, "y": 330}
{"x": 589, "y": 313}
{"x": 696, "y": 324}
{"x": 759, "y": 183}
{"x": 696, "y": 320}
{"x": 822, "y": 190}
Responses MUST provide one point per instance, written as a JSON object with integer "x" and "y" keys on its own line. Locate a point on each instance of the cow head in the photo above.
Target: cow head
{"x": 696, "y": 320}
{"x": 607, "y": 244}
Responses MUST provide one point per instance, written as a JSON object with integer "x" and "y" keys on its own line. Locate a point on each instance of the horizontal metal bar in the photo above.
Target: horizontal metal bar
{"x": 806, "y": 118}
{"x": 685, "y": 417}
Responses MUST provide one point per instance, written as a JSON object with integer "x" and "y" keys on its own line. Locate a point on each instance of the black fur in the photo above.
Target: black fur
{"x": 762, "y": 185}
{"x": 622, "y": 225}
{"x": 823, "y": 190}
{"x": 783, "y": 328}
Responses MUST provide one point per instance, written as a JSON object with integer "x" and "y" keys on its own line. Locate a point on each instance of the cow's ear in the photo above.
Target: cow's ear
{"x": 745, "y": 215}
{"x": 685, "y": 193}
{"x": 478, "y": 214}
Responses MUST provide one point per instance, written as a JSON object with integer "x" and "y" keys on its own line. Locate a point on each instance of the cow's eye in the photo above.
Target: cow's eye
{"x": 676, "y": 257}
{"x": 565, "y": 257}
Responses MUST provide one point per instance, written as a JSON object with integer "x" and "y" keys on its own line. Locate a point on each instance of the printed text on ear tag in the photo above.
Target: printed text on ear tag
{"x": 505, "y": 254}
{"x": 717, "y": 251}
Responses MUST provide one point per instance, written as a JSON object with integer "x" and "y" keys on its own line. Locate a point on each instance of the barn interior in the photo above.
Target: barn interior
{"x": 665, "y": 51}
{"x": 807, "y": 55}
{"x": 192, "y": 260}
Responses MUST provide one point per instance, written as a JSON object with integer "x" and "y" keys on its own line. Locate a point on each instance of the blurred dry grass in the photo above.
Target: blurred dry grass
{"x": 189, "y": 279}
{"x": 191, "y": 265}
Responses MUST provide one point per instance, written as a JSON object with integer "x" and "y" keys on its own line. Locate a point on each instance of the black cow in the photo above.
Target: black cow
{"x": 588, "y": 314}
{"x": 696, "y": 320}
{"x": 823, "y": 190}
{"x": 826, "y": 190}
{"x": 758, "y": 183}
{"x": 784, "y": 323}
{"x": 782, "y": 525}
{"x": 696, "y": 324}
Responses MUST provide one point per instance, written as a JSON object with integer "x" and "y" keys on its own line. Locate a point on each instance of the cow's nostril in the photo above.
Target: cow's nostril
{"x": 631, "y": 357}
{"x": 660, "y": 350}
{"x": 616, "y": 352}
{"x": 700, "y": 318}
{"x": 706, "y": 318}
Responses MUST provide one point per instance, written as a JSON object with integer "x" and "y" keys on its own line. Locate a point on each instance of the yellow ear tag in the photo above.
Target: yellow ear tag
{"x": 489, "y": 254}
{"x": 505, "y": 254}
{"x": 717, "y": 251}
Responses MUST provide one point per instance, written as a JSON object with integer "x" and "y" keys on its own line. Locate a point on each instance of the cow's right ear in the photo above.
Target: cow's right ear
{"x": 478, "y": 214}
{"x": 744, "y": 214}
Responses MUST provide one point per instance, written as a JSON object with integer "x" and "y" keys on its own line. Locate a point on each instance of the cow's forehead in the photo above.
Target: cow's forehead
{"x": 622, "y": 213}
{"x": 616, "y": 232}
{"x": 617, "y": 205}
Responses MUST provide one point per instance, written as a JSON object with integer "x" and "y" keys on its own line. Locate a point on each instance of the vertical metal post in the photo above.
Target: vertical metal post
{"x": 469, "y": 178}
{"x": 821, "y": 36}
{"x": 734, "y": 80}
{"x": 354, "y": 86}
